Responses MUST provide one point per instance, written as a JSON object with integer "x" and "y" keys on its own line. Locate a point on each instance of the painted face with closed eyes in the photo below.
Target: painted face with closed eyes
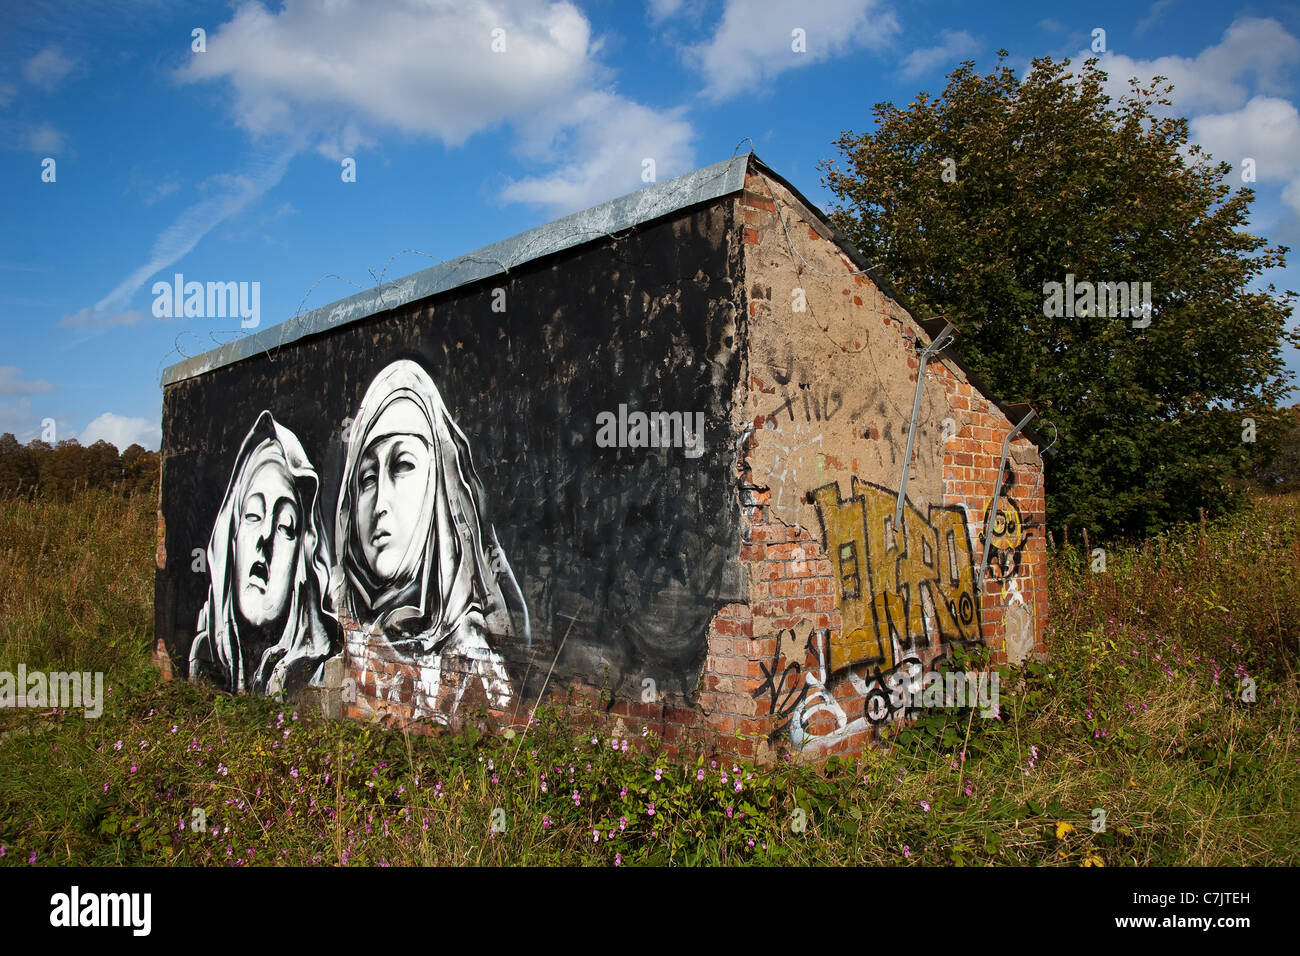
{"x": 266, "y": 546}
{"x": 392, "y": 482}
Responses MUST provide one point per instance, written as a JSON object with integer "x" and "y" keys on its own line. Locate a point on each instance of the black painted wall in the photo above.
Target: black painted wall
{"x": 627, "y": 551}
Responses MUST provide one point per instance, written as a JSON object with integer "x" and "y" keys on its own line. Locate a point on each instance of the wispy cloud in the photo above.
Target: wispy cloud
{"x": 661, "y": 10}
{"x": 754, "y": 42}
{"x": 44, "y": 139}
{"x": 88, "y": 319}
{"x": 162, "y": 191}
{"x": 232, "y": 194}
{"x": 1156, "y": 12}
{"x": 19, "y": 419}
{"x": 12, "y": 383}
{"x": 48, "y": 68}
{"x": 956, "y": 44}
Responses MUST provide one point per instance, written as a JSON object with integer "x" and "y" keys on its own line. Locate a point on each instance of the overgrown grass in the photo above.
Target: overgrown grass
{"x": 1139, "y": 715}
{"x": 76, "y": 583}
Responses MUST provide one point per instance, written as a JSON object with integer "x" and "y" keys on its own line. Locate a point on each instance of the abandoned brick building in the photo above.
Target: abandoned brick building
{"x": 652, "y": 454}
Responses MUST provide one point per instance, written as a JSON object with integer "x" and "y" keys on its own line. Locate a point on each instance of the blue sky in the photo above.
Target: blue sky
{"x": 225, "y": 165}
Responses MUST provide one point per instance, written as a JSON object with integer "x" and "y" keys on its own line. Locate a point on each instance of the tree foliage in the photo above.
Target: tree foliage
{"x": 62, "y": 471}
{"x": 1281, "y": 472}
{"x": 1052, "y": 179}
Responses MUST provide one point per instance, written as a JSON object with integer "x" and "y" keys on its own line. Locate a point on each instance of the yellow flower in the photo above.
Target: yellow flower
{"x": 1094, "y": 860}
{"x": 1062, "y": 828}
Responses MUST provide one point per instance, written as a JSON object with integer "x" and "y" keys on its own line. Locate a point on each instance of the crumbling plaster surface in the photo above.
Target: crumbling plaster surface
{"x": 829, "y": 389}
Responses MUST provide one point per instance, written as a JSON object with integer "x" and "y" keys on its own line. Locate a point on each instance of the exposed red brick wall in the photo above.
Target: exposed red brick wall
{"x": 970, "y": 471}
{"x": 751, "y": 677}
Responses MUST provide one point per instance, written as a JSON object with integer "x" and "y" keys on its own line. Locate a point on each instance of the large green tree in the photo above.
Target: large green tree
{"x": 974, "y": 201}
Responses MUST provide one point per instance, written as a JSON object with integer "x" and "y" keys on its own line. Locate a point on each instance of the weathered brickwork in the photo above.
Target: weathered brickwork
{"x": 834, "y": 604}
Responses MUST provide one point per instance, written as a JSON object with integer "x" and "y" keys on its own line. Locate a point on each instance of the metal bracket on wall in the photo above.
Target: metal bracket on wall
{"x": 997, "y": 494}
{"x": 938, "y": 344}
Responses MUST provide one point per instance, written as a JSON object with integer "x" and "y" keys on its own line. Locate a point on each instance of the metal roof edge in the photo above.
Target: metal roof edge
{"x": 644, "y": 205}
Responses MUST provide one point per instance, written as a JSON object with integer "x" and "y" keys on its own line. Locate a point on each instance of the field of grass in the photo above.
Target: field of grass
{"x": 1138, "y": 719}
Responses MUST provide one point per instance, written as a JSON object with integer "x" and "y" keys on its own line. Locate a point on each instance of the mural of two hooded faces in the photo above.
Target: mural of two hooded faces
{"x": 420, "y": 569}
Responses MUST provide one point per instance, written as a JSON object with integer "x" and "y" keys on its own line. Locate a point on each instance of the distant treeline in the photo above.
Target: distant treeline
{"x": 59, "y": 471}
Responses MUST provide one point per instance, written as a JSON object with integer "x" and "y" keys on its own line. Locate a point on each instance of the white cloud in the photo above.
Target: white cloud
{"x": 1267, "y": 129}
{"x": 424, "y": 68}
{"x": 956, "y": 44}
{"x": 7, "y": 93}
{"x": 753, "y": 42}
{"x": 123, "y": 432}
{"x": 47, "y": 69}
{"x": 11, "y": 383}
{"x": 340, "y": 75}
{"x": 1214, "y": 78}
{"x": 88, "y": 319}
{"x": 1291, "y": 195}
{"x": 607, "y": 139}
{"x": 44, "y": 139}
{"x": 1235, "y": 79}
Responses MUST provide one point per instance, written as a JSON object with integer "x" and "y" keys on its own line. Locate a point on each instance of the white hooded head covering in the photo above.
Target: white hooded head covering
{"x": 453, "y": 569}
{"x": 310, "y": 633}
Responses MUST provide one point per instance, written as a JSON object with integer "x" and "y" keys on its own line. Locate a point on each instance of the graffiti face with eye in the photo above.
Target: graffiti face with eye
{"x": 266, "y": 546}
{"x": 392, "y": 482}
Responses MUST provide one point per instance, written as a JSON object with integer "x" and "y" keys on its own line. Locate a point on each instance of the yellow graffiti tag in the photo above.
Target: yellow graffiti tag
{"x": 895, "y": 589}
{"x": 1008, "y": 530}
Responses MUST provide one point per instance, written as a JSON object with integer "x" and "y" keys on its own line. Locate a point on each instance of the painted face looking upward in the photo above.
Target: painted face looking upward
{"x": 266, "y": 546}
{"x": 392, "y": 483}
